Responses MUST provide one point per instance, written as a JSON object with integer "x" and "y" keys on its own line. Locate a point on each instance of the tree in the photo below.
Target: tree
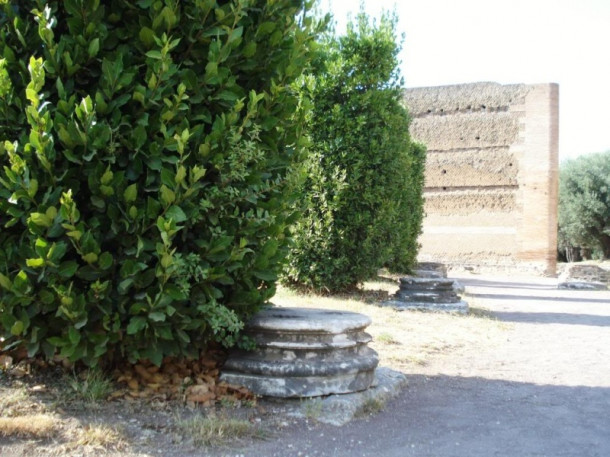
{"x": 584, "y": 203}
{"x": 145, "y": 149}
{"x": 362, "y": 190}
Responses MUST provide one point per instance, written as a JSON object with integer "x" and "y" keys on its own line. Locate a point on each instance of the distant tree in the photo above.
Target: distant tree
{"x": 584, "y": 204}
{"x": 363, "y": 188}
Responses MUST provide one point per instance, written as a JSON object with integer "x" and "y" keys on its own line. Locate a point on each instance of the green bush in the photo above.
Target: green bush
{"x": 145, "y": 149}
{"x": 408, "y": 211}
{"x": 584, "y": 204}
{"x": 363, "y": 182}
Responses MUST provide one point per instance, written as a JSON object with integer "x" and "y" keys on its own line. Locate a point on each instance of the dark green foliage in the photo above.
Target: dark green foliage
{"x": 364, "y": 177}
{"x": 145, "y": 147}
{"x": 584, "y": 203}
{"x": 408, "y": 211}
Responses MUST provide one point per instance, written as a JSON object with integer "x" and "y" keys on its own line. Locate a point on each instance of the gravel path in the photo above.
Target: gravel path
{"x": 545, "y": 391}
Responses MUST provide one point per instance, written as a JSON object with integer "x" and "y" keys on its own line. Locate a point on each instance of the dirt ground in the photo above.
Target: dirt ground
{"x": 530, "y": 378}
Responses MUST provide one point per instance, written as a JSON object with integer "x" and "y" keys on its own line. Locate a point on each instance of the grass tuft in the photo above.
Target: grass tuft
{"x": 215, "y": 431}
{"x": 91, "y": 386}
{"x": 101, "y": 436}
{"x": 386, "y": 338}
{"x": 312, "y": 408}
{"x": 12, "y": 401}
{"x": 32, "y": 426}
{"x": 372, "y": 406}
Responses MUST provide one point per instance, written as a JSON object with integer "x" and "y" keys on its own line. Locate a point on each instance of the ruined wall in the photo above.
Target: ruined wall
{"x": 491, "y": 174}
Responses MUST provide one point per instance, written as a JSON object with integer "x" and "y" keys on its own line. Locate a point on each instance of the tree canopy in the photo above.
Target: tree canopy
{"x": 584, "y": 203}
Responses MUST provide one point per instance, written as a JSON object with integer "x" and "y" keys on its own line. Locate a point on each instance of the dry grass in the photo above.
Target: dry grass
{"x": 100, "y": 436}
{"x": 13, "y": 401}
{"x": 17, "y": 401}
{"x": 372, "y": 406}
{"x": 214, "y": 430}
{"x": 404, "y": 339}
{"x": 31, "y": 426}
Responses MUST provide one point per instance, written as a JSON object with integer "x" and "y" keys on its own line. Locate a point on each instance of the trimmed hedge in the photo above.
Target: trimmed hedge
{"x": 363, "y": 183}
{"x": 145, "y": 148}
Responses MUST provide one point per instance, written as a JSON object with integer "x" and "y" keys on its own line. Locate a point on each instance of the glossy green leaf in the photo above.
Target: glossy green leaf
{"x": 131, "y": 193}
{"x": 156, "y": 316}
{"x": 17, "y": 328}
{"x": 136, "y": 324}
{"x": 68, "y": 268}
{"x": 105, "y": 260}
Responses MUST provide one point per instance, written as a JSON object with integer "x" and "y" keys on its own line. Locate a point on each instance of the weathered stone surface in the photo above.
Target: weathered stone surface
{"x": 426, "y": 290}
{"x": 584, "y": 273}
{"x": 304, "y": 352}
{"x": 431, "y": 270}
{"x": 308, "y": 320}
{"x": 291, "y": 363}
{"x": 430, "y": 294}
{"x": 458, "y": 287}
{"x": 338, "y": 410}
{"x": 460, "y": 306}
{"x": 311, "y": 386}
{"x": 491, "y": 174}
{"x": 579, "y": 285}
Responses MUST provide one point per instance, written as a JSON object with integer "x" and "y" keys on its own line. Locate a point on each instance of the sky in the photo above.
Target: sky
{"x": 517, "y": 41}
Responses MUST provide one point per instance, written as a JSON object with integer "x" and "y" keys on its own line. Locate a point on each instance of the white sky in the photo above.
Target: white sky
{"x": 516, "y": 41}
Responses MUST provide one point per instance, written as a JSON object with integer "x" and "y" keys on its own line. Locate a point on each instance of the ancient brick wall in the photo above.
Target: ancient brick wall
{"x": 491, "y": 174}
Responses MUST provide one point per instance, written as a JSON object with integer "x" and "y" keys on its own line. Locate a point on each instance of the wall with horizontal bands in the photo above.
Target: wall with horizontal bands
{"x": 491, "y": 174}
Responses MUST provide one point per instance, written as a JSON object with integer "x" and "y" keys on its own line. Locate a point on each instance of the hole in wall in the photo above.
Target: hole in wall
{"x": 444, "y": 172}
{"x": 444, "y": 188}
{"x": 483, "y": 107}
{"x": 477, "y": 137}
{"x": 510, "y": 164}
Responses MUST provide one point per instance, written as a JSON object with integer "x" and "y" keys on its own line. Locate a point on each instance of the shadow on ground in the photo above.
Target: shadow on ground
{"x": 449, "y": 416}
{"x": 505, "y": 285}
{"x": 575, "y": 300}
{"x": 554, "y": 318}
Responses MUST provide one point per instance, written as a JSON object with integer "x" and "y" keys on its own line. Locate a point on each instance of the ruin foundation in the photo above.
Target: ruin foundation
{"x": 427, "y": 294}
{"x": 302, "y": 352}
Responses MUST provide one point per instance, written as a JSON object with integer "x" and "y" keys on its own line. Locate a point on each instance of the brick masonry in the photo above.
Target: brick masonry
{"x": 491, "y": 174}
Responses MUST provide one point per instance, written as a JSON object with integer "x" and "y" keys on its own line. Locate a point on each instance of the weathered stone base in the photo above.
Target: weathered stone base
{"x": 431, "y": 270}
{"x": 338, "y": 410}
{"x": 304, "y": 352}
{"x": 428, "y": 294}
{"x": 310, "y": 386}
{"x": 460, "y": 307}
